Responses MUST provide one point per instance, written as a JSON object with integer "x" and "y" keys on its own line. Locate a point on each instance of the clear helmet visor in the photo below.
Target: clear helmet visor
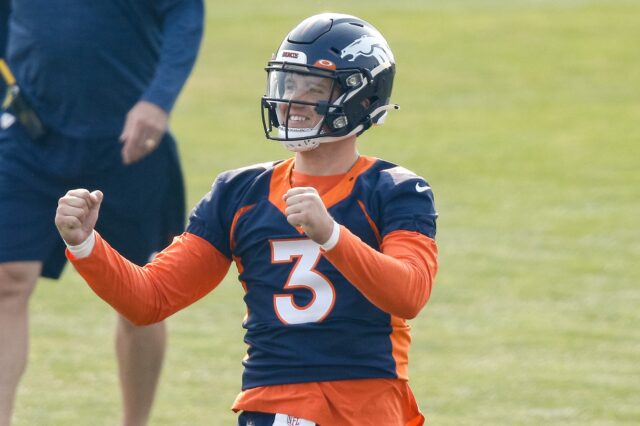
{"x": 300, "y": 102}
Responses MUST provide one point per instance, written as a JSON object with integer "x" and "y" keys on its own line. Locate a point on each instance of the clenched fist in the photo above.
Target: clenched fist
{"x": 306, "y": 209}
{"x": 77, "y": 215}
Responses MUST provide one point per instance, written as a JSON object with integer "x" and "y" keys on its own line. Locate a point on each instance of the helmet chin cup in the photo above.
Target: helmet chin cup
{"x": 300, "y": 145}
{"x": 298, "y": 139}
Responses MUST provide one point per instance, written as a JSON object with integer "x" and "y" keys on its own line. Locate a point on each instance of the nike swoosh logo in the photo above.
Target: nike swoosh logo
{"x": 422, "y": 188}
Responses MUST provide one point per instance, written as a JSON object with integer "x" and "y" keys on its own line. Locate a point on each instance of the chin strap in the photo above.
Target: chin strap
{"x": 368, "y": 120}
{"x": 383, "y": 108}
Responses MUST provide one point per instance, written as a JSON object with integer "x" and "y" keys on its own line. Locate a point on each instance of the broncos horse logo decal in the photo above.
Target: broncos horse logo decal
{"x": 367, "y": 46}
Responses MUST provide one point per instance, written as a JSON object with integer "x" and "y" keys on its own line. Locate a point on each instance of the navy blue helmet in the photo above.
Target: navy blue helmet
{"x": 331, "y": 78}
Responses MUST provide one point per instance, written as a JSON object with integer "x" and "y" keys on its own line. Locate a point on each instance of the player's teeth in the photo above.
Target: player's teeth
{"x": 296, "y": 118}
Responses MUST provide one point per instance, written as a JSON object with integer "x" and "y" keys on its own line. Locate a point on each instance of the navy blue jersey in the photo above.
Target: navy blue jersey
{"x": 83, "y": 64}
{"x": 305, "y": 321}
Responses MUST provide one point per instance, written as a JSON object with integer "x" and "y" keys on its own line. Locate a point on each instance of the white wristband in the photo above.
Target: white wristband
{"x": 83, "y": 249}
{"x": 333, "y": 239}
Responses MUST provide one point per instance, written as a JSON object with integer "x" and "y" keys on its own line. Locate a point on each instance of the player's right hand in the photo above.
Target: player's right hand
{"x": 77, "y": 215}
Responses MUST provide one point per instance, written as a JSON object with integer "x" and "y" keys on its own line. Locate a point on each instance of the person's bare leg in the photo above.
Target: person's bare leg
{"x": 140, "y": 352}
{"x": 17, "y": 281}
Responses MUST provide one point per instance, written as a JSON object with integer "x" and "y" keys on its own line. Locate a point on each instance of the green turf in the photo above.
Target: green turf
{"x": 523, "y": 115}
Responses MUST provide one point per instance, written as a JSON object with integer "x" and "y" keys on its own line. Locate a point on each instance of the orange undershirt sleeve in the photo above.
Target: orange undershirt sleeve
{"x": 178, "y": 276}
{"x": 397, "y": 280}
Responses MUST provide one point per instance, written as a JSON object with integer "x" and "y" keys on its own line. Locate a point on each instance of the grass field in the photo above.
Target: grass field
{"x": 524, "y": 115}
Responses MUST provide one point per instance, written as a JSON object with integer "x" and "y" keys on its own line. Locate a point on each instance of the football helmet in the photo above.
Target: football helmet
{"x": 331, "y": 78}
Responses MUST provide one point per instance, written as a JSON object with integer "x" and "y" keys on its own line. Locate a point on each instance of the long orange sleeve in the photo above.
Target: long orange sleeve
{"x": 397, "y": 280}
{"x": 178, "y": 276}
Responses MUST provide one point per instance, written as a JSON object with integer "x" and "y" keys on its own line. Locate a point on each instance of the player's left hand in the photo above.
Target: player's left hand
{"x": 144, "y": 127}
{"x": 306, "y": 209}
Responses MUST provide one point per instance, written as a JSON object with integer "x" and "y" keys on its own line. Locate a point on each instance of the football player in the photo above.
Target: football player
{"x": 335, "y": 249}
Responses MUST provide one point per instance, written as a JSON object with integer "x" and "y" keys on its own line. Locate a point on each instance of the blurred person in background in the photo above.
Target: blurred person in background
{"x": 96, "y": 82}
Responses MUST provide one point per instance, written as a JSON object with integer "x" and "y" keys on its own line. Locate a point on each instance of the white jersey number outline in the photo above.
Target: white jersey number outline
{"x": 306, "y": 255}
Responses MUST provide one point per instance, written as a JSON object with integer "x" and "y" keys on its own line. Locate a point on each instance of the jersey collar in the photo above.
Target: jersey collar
{"x": 281, "y": 182}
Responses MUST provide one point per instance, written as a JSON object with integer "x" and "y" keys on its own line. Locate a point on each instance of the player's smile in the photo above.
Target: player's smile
{"x": 297, "y": 118}
{"x": 300, "y": 120}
